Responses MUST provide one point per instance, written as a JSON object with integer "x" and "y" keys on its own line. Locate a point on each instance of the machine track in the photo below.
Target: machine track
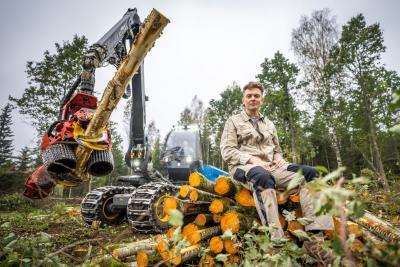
{"x": 143, "y": 207}
{"x": 94, "y": 206}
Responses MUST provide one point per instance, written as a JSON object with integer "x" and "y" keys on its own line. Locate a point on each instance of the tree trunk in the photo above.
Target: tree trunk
{"x": 335, "y": 146}
{"x": 327, "y": 159}
{"x": 395, "y": 148}
{"x": 292, "y": 139}
{"x": 377, "y": 155}
{"x": 374, "y": 141}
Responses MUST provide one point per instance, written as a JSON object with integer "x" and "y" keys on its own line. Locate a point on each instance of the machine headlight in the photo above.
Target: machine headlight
{"x": 165, "y": 159}
{"x": 136, "y": 163}
{"x": 189, "y": 159}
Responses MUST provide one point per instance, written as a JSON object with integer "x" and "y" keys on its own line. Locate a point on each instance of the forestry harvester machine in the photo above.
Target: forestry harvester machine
{"x": 78, "y": 146}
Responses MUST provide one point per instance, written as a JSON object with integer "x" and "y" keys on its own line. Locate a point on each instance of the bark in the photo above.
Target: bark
{"x": 133, "y": 248}
{"x": 380, "y": 228}
{"x": 335, "y": 146}
{"x": 292, "y": 138}
{"x": 203, "y": 234}
{"x": 374, "y": 143}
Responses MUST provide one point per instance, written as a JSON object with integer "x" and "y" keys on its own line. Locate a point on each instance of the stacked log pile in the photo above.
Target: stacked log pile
{"x": 220, "y": 213}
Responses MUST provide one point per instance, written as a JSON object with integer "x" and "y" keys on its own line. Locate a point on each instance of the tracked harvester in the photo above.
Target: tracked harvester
{"x": 78, "y": 146}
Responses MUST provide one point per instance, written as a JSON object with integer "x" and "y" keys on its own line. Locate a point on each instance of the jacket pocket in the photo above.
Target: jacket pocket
{"x": 268, "y": 136}
{"x": 244, "y": 133}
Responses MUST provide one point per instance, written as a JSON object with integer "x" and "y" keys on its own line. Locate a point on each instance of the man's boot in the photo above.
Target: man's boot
{"x": 267, "y": 209}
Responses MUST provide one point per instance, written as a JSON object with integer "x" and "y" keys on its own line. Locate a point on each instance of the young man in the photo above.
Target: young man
{"x": 250, "y": 146}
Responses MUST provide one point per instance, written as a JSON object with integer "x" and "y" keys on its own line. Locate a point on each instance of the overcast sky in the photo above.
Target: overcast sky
{"x": 207, "y": 46}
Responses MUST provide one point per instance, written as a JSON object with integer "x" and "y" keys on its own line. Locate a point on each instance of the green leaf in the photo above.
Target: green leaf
{"x": 9, "y": 237}
{"x": 300, "y": 234}
{"x": 176, "y": 236}
{"x": 289, "y": 215}
{"x": 222, "y": 257}
{"x": 335, "y": 174}
{"x": 11, "y": 244}
{"x": 322, "y": 169}
{"x": 295, "y": 182}
{"x": 227, "y": 235}
{"x": 183, "y": 243}
{"x": 304, "y": 221}
{"x": 360, "y": 180}
{"x": 356, "y": 209}
{"x": 337, "y": 247}
{"x": 45, "y": 237}
{"x": 176, "y": 218}
{"x": 395, "y": 129}
{"x": 6, "y": 225}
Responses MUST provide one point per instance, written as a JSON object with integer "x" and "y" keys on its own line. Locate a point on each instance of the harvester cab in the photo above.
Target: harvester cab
{"x": 181, "y": 153}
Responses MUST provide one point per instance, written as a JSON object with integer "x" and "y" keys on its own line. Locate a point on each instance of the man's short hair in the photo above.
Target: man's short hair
{"x": 252, "y": 85}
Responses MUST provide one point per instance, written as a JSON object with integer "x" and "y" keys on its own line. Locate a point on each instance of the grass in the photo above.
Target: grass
{"x": 30, "y": 231}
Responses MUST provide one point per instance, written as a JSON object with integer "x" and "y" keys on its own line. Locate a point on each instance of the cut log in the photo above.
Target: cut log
{"x": 295, "y": 198}
{"x": 217, "y": 218}
{"x": 351, "y": 227}
{"x": 245, "y": 198}
{"x": 217, "y": 206}
{"x": 207, "y": 261}
{"x": 225, "y": 186}
{"x": 230, "y": 246}
{"x": 235, "y": 221}
{"x": 281, "y": 198}
{"x": 216, "y": 244}
{"x": 132, "y": 248}
{"x": 144, "y": 257}
{"x": 170, "y": 232}
{"x": 194, "y": 195}
{"x": 184, "y": 191}
{"x": 188, "y": 208}
{"x": 184, "y": 255}
{"x": 232, "y": 260}
{"x": 201, "y": 182}
{"x": 203, "y": 219}
{"x": 188, "y": 229}
{"x": 203, "y": 234}
{"x": 169, "y": 204}
{"x": 200, "y": 195}
{"x": 383, "y": 229}
{"x": 163, "y": 249}
{"x": 150, "y": 31}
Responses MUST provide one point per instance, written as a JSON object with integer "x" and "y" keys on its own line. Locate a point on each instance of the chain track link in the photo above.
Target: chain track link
{"x": 92, "y": 204}
{"x": 141, "y": 207}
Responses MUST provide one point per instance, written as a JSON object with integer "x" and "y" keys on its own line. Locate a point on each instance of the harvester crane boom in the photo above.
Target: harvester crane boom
{"x": 111, "y": 48}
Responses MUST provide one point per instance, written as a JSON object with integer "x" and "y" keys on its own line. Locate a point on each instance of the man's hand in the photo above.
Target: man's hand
{"x": 258, "y": 161}
{"x": 278, "y": 163}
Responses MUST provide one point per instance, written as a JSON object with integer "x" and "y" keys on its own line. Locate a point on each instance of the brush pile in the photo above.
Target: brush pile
{"x": 211, "y": 222}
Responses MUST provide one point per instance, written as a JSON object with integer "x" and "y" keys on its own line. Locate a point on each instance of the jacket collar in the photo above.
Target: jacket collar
{"x": 247, "y": 117}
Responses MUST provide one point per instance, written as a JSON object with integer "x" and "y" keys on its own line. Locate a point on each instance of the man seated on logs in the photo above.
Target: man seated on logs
{"x": 249, "y": 144}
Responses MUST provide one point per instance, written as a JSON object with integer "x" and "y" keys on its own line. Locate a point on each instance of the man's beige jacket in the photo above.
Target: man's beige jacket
{"x": 241, "y": 140}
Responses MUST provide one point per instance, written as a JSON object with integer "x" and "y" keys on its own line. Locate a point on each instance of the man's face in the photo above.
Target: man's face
{"x": 252, "y": 99}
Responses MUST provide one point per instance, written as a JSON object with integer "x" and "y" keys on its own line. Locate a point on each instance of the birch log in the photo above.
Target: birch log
{"x": 150, "y": 30}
